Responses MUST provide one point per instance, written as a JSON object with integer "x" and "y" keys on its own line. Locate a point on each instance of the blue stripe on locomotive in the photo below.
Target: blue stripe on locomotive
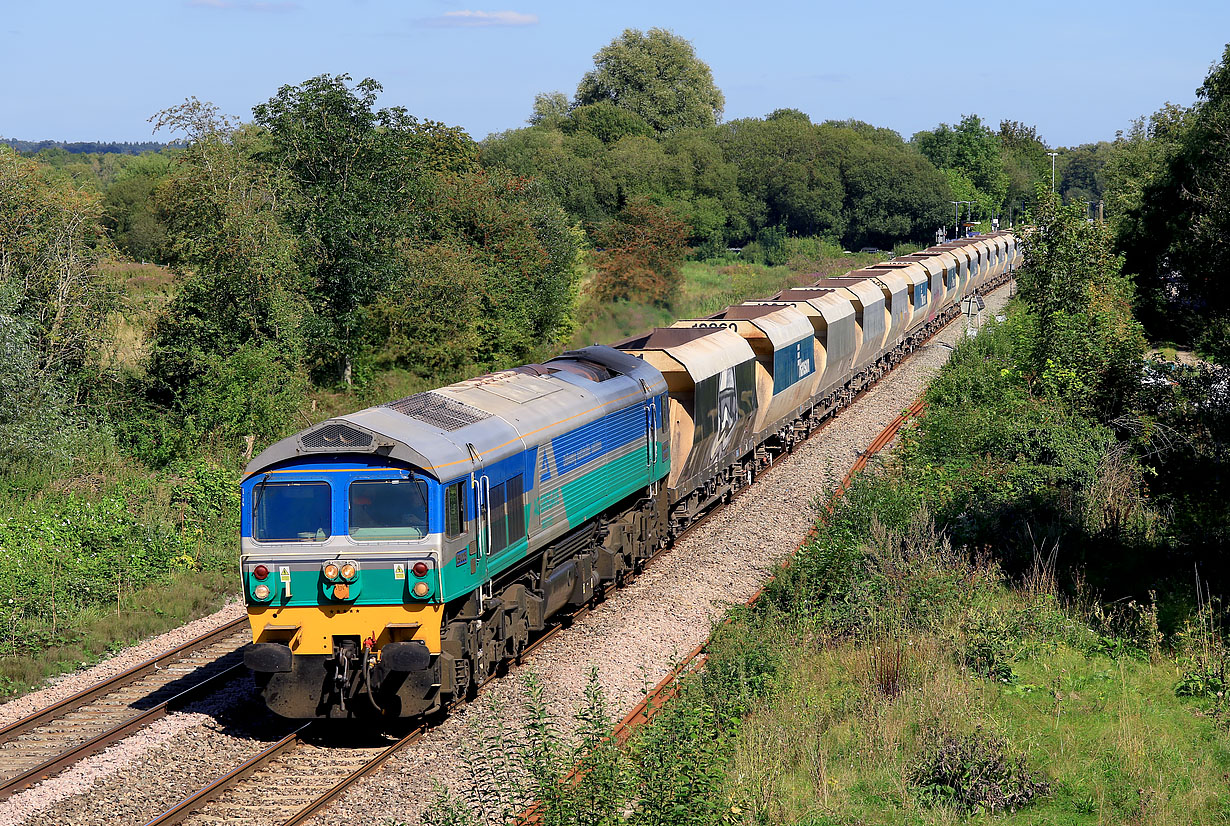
{"x": 597, "y": 439}
{"x": 793, "y": 363}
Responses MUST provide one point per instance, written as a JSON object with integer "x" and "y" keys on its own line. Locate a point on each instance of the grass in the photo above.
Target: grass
{"x": 708, "y": 287}
{"x": 144, "y": 289}
{"x": 1107, "y": 734}
{"x": 104, "y": 629}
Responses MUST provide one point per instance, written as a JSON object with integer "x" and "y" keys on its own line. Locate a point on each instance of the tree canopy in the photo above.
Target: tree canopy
{"x": 657, "y": 76}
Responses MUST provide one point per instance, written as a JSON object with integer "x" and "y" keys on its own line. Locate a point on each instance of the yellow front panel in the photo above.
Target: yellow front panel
{"x": 315, "y": 626}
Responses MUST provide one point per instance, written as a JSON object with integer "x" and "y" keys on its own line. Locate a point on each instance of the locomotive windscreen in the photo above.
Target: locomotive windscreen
{"x": 291, "y": 512}
{"x": 388, "y": 509}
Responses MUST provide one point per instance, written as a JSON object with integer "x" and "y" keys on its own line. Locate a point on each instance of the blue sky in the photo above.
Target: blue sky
{"x": 1078, "y": 70}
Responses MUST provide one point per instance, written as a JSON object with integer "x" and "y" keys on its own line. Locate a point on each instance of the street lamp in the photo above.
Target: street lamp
{"x": 1053, "y": 155}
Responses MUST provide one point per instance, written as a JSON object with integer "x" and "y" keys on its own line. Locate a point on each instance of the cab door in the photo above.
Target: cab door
{"x": 460, "y": 556}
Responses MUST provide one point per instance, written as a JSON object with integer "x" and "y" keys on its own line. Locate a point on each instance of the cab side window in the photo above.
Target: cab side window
{"x": 454, "y": 510}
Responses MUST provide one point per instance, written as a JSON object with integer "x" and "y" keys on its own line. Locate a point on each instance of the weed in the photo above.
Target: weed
{"x": 975, "y": 772}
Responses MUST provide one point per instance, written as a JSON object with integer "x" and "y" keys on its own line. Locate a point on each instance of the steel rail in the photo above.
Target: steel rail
{"x": 666, "y": 689}
{"x": 132, "y": 674}
{"x": 102, "y": 740}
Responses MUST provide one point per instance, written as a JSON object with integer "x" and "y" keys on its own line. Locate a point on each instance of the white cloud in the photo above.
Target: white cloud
{"x": 468, "y": 19}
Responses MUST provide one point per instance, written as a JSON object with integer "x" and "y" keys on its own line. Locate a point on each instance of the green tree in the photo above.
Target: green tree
{"x": 550, "y": 109}
{"x": 52, "y": 305}
{"x": 1078, "y": 342}
{"x": 1025, "y": 163}
{"x": 606, "y": 122}
{"x": 51, "y": 240}
{"x": 1176, "y": 238}
{"x": 227, "y": 351}
{"x": 787, "y": 176}
{"x": 973, "y": 150}
{"x": 131, "y": 214}
{"x": 657, "y": 76}
{"x": 525, "y": 250}
{"x": 892, "y": 194}
{"x": 354, "y": 169}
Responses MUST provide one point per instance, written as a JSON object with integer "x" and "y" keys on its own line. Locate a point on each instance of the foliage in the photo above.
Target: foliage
{"x": 525, "y": 252}
{"x": 639, "y": 255}
{"x": 1079, "y": 341}
{"x": 656, "y": 76}
{"x": 973, "y": 150}
{"x": 69, "y": 552}
{"x": 353, "y": 170}
{"x": 976, "y": 772}
{"x": 574, "y": 772}
{"x": 50, "y": 243}
{"x": 131, "y": 214}
{"x": 226, "y": 351}
{"x": 1175, "y": 237}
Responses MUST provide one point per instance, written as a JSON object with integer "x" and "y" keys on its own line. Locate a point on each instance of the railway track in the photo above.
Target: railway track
{"x": 288, "y": 782}
{"x": 46, "y": 741}
{"x": 297, "y": 777}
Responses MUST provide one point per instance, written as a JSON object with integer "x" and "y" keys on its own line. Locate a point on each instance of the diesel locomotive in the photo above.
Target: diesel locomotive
{"x": 395, "y": 557}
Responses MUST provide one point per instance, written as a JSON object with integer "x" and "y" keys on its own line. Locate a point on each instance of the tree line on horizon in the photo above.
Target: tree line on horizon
{"x": 326, "y": 240}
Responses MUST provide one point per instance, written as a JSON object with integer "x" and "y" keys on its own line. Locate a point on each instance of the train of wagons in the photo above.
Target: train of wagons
{"x": 394, "y": 558}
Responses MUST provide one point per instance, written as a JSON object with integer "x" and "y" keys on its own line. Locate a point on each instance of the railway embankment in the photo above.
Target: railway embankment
{"x": 1002, "y": 616}
{"x": 631, "y": 640}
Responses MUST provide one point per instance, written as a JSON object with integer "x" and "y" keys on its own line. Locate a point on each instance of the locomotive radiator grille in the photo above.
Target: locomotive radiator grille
{"x": 438, "y": 411}
{"x": 334, "y": 437}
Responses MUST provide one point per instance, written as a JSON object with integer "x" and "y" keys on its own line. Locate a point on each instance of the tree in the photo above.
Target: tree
{"x": 1177, "y": 239}
{"x": 354, "y": 169}
{"x": 550, "y": 109}
{"x": 227, "y": 351}
{"x": 657, "y": 76}
{"x": 52, "y": 305}
{"x": 606, "y": 122}
{"x": 1025, "y": 162}
{"x": 525, "y": 251}
{"x": 51, "y": 240}
{"x": 973, "y": 150}
{"x": 640, "y": 255}
{"x": 892, "y": 194}
{"x": 1078, "y": 341}
{"x": 130, "y": 212}
{"x": 787, "y": 176}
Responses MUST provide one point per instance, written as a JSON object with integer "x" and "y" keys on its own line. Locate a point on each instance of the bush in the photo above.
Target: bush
{"x": 640, "y": 255}
{"x": 976, "y": 773}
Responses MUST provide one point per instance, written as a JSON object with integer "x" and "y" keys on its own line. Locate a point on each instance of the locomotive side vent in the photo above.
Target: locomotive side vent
{"x": 335, "y": 437}
{"x": 438, "y": 411}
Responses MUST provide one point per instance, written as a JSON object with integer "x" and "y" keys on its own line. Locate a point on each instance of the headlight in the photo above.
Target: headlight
{"x": 331, "y": 572}
{"x": 261, "y": 592}
{"x": 348, "y": 572}
{"x": 421, "y": 589}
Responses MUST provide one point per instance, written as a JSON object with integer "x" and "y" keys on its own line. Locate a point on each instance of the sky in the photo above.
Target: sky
{"x": 1078, "y": 70}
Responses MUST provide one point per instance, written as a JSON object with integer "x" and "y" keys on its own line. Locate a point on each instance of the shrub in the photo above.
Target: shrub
{"x": 975, "y": 773}
{"x": 640, "y": 255}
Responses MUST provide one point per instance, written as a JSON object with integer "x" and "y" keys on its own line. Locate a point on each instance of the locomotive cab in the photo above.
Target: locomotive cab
{"x": 342, "y": 576}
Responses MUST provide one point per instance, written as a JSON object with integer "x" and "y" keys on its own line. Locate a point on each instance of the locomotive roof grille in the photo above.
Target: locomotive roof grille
{"x": 335, "y": 436}
{"x": 438, "y": 411}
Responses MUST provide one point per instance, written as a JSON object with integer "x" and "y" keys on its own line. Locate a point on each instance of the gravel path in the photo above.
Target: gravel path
{"x": 633, "y": 639}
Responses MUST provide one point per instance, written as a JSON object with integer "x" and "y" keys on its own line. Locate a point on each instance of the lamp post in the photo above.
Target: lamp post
{"x": 1053, "y": 156}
